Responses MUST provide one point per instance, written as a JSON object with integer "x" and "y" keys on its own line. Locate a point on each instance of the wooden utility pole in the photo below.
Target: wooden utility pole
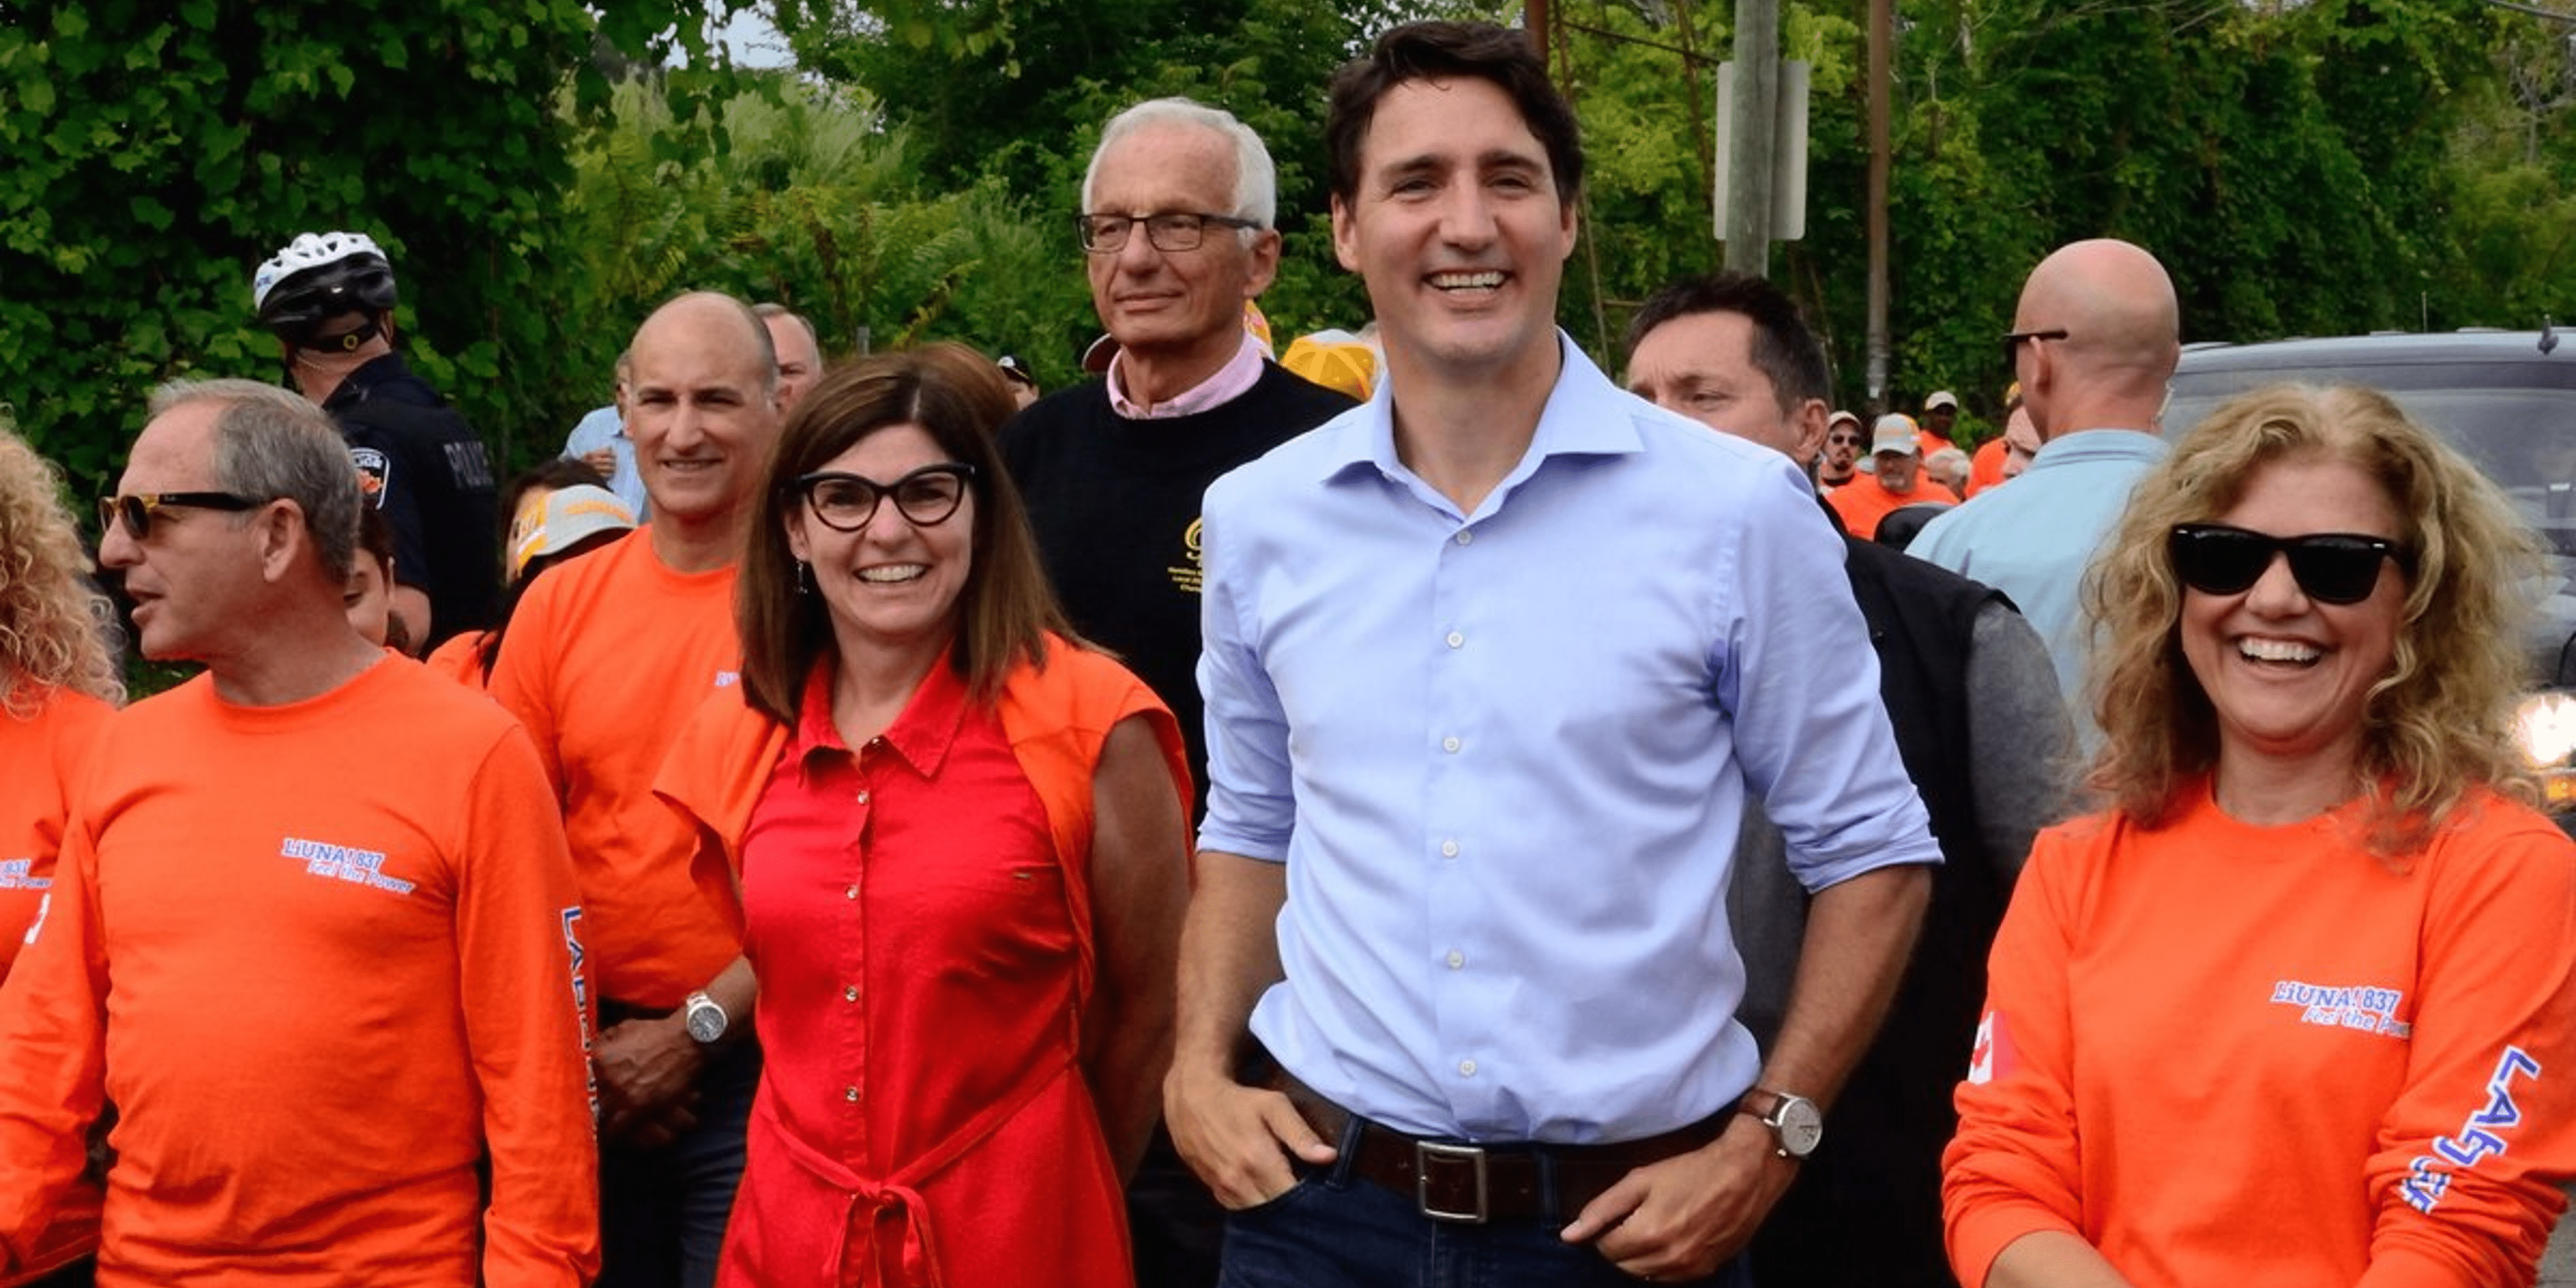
{"x": 1534, "y": 20}
{"x": 1752, "y": 164}
{"x": 1882, "y": 31}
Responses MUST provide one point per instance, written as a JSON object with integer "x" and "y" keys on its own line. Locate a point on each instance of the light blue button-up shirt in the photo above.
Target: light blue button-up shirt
{"x": 604, "y": 428}
{"x": 1505, "y": 754}
{"x": 2033, "y": 538}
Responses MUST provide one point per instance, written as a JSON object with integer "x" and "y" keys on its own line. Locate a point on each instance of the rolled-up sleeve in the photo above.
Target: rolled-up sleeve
{"x": 1251, "y": 804}
{"x": 1798, "y": 677}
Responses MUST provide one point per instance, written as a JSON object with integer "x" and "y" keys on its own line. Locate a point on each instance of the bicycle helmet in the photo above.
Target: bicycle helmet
{"x": 320, "y": 276}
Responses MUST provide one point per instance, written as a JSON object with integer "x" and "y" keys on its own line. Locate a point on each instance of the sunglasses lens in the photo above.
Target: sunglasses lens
{"x": 2337, "y": 570}
{"x": 2219, "y": 561}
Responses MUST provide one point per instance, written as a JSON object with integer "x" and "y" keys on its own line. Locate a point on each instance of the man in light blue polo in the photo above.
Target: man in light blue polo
{"x": 2094, "y": 343}
{"x": 1493, "y": 665}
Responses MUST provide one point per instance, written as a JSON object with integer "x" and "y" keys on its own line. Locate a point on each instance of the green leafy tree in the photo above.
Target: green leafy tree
{"x": 818, "y": 204}
{"x": 158, "y": 152}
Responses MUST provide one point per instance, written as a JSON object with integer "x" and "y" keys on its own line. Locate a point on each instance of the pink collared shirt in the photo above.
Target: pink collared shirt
{"x": 1230, "y": 382}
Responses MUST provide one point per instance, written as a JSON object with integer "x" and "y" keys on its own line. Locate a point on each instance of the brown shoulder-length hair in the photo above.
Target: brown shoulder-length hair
{"x": 2439, "y": 723}
{"x": 1006, "y": 609}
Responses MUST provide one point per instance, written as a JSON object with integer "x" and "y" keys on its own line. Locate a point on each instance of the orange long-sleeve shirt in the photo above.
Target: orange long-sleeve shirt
{"x": 321, "y": 957}
{"x": 40, "y": 758}
{"x": 606, "y": 659}
{"x": 2224, "y": 1053}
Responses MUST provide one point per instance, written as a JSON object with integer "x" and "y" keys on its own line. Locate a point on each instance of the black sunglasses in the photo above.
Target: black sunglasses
{"x": 2013, "y": 341}
{"x": 2330, "y": 567}
{"x": 845, "y": 502}
{"x": 137, "y": 509}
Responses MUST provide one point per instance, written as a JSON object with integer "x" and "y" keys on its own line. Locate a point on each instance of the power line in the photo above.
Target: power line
{"x": 2534, "y": 11}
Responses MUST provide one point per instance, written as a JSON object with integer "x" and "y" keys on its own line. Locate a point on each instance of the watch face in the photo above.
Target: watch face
{"x": 1800, "y": 1127}
{"x": 706, "y": 1021}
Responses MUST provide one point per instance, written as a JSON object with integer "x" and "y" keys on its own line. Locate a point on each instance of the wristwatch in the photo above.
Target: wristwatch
{"x": 707, "y": 1019}
{"x": 1796, "y": 1124}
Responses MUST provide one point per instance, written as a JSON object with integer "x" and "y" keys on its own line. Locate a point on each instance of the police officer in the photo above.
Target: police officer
{"x": 329, "y": 298}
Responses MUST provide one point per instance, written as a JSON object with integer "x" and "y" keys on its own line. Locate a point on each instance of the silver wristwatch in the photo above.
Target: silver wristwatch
{"x": 1797, "y": 1126}
{"x": 706, "y": 1018}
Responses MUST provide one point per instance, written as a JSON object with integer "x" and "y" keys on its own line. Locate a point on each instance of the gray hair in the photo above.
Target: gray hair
{"x": 1256, "y": 180}
{"x": 771, "y": 309}
{"x": 275, "y": 445}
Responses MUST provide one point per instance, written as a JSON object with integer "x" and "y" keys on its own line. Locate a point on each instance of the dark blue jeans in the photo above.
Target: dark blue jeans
{"x": 662, "y": 1212}
{"x": 1336, "y": 1231}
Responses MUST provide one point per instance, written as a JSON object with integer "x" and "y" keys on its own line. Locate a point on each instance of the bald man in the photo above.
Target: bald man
{"x": 607, "y": 656}
{"x": 2094, "y": 342}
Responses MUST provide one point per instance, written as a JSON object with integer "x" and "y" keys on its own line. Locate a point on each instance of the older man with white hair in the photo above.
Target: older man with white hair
{"x": 1178, "y": 236}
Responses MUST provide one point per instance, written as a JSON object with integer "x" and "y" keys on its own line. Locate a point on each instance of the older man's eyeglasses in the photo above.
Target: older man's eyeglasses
{"x": 1166, "y": 230}
{"x": 2330, "y": 567}
{"x": 846, "y": 502}
{"x": 2013, "y": 340}
{"x": 135, "y": 510}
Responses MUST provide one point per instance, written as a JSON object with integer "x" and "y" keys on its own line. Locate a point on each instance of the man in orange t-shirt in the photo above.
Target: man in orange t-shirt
{"x": 313, "y": 932}
{"x": 1896, "y": 457}
{"x": 605, "y": 661}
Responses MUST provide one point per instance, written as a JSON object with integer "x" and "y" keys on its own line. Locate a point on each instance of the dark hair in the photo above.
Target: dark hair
{"x": 376, "y": 537}
{"x": 553, "y": 475}
{"x": 1784, "y": 349}
{"x": 1006, "y": 609}
{"x": 376, "y": 542}
{"x": 1441, "y": 51}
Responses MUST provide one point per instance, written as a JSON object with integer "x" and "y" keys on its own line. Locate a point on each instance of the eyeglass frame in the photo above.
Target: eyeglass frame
{"x": 2013, "y": 341}
{"x": 136, "y": 510}
{"x": 803, "y": 491}
{"x": 2302, "y": 570}
{"x": 1198, "y": 220}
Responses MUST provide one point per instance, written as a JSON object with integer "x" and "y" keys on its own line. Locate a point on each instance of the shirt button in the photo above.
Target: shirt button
{"x": 877, "y": 741}
{"x": 1466, "y": 537}
{"x": 1457, "y": 640}
{"x": 1466, "y": 1069}
{"x": 851, "y": 893}
{"x": 1450, "y": 744}
{"x": 850, "y": 1094}
{"x": 1448, "y": 849}
{"x": 1456, "y": 959}
{"x": 863, "y": 796}
{"x": 850, "y": 993}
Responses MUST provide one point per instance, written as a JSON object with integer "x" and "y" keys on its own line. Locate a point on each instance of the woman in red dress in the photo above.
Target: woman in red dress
{"x": 956, "y": 842}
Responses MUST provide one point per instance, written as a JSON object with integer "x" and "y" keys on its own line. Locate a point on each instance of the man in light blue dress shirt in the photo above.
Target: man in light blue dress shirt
{"x": 2095, "y": 339}
{"x": 600, "y": 442}
{"x": 1493, "y": 665}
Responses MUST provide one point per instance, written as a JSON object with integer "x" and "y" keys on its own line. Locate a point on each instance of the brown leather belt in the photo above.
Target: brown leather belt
{"x": 1478, "y": 1183}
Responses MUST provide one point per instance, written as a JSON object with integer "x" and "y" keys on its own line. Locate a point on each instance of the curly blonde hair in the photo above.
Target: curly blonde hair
{"x": 54, "y": 629}
{"x": 2438, "y": 724}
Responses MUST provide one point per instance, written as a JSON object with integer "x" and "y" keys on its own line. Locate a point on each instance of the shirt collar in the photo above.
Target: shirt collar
{"x": 1231, "y": 381}
{"x": 1586, "y": 415}
{"x": 2101, "y": 444}
{"x": 921, "y": 735}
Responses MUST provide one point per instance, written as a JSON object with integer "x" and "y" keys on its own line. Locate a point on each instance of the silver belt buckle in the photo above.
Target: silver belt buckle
{"x": 1425, "y": 1154}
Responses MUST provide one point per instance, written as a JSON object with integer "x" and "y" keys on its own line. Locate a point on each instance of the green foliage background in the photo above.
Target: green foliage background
{"x": 543, "y": 176}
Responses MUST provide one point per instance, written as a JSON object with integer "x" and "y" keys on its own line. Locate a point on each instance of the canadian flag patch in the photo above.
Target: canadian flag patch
{"x": 1992, "y": 1052}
